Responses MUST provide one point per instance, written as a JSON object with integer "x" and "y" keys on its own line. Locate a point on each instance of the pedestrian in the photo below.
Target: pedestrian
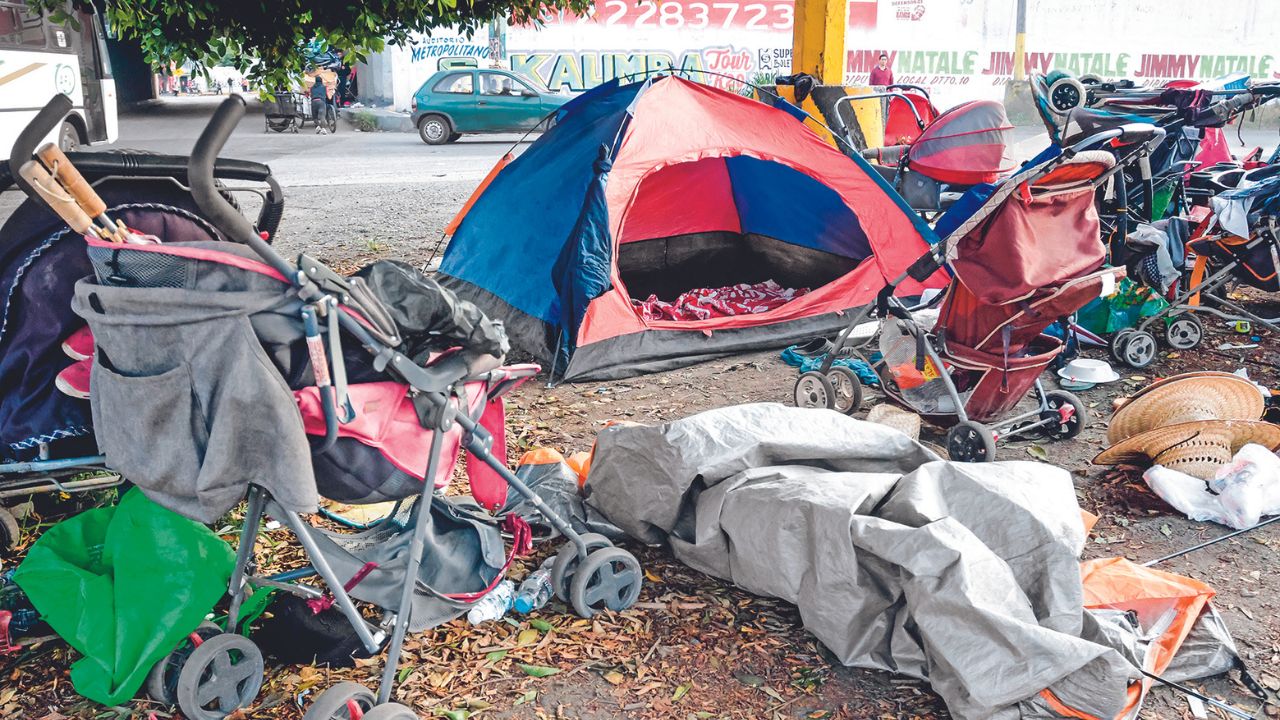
{"x": 881, "y": 75}
{"x": 319, "y": 103}
{"x": 344, "y": 86}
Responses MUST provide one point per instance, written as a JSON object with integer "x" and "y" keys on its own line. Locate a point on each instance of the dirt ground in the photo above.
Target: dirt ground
{"x": 695, "y": 647}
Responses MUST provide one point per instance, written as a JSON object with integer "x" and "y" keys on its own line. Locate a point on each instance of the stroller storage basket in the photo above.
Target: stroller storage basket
{"x": 996, "y": 384}
{"x": 1012, "y": 326}
{"x": 186, "y": 402}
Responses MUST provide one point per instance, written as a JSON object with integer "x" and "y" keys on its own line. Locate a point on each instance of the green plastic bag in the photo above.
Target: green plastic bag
{"x": 123, "y": 585}
{"x": 1123, "y": 309}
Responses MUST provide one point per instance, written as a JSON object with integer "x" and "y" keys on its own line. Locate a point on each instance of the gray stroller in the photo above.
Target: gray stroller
{"x": 220, "y": 372}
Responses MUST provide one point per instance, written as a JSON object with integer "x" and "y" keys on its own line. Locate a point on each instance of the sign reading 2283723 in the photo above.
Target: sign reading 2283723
{"x": 692, "y": 15}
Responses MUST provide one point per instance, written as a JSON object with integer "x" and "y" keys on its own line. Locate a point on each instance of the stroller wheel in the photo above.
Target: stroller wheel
{"x": 1116, "y": 345}
{"x": 391, "y": 711}
{"x": 223, "y": 674}
{"x": 813, "y": 390}
{"x": 1139, "y": 349}
{"x": 566, "y": 564}
{"x": 1184, "y": 333}
{"x": 162, "y": 681}
{"x": 846, "y": 389}
{"x": 970, "y": 441}
{"x": 337, "y": 703}
{"x": 1066, "y": 94}
{"x": 1067, "y": 413}
{"x": 10, "y": 533}
{"x": 610, "y": 578}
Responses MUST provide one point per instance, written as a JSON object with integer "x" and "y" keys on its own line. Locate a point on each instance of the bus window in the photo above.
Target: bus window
{"x": 20, "y": 28}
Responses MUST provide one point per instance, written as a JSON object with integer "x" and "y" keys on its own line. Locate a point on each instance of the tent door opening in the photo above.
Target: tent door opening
{"x": 668, "y": 267}
{"x": 721, "y": 221}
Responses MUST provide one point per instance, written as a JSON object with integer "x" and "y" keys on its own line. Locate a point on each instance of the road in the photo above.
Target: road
{"x": 354, "y": 195}
{"x": 348, "y": 195}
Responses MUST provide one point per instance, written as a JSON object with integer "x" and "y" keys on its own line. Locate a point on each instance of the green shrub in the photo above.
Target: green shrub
{"x": 364, "y": 121}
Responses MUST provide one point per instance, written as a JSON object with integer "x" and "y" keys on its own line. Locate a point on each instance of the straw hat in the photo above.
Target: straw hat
{"x": 1196, "y": 448}
{"x": 1183, "y": 399}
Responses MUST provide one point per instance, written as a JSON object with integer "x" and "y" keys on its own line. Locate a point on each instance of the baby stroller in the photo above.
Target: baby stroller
{"x": 908, "y": 110}
{"x": 46, "y": 436}
{"x": 1023, "y": 255}
{"x": 290, "y": 112}
{"x": 220, "y": 371}
{"x": 1238, "y": 243}
{"x": 964, "y": 146}
{"x": 1151, "y": 185}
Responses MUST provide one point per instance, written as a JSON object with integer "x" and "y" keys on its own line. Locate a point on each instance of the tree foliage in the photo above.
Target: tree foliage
{"x": 268, "y": 39}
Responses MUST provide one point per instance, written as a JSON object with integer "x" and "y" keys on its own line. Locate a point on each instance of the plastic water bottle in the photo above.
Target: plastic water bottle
{"x": 536, "y": 589}
{"x": 494, "y": 605}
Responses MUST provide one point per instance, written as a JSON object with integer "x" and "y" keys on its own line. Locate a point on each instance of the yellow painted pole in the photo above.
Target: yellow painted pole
{"x": 1020, "y": 44}
{"x": 817, "y": 40}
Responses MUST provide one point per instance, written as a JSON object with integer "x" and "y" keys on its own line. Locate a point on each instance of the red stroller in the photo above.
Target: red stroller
{"x": 1023, "y": 258}
{"x": 964, "y": 146}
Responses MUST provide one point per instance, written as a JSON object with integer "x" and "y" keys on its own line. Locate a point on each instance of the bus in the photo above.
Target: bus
{"x": 39, "y": 59}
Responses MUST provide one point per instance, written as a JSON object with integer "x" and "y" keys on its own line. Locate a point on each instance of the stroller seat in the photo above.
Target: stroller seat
{"x": 154, "y": 315}
{"x": 387, "y": 420}
{"x": 1255, "y": 260}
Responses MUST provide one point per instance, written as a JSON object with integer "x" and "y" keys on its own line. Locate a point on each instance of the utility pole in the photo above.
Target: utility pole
{"x": 1020, "y": 44}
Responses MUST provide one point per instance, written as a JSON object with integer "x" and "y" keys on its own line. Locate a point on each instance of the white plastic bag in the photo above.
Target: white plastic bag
{"x": 1243, "y": 491}
{"x": 1185, "y": 493}
{"x": 1249, "y": 487}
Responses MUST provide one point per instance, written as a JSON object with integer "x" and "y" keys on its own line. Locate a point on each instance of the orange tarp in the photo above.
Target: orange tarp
{"x": 1157, "y": 598}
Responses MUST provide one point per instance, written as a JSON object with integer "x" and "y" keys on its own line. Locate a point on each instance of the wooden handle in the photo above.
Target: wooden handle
{"x": 71, "y": 179}
{"x": 48, "y": 189}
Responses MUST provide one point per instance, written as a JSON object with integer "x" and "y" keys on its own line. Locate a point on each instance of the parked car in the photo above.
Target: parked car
{"x": 461, "y": 101}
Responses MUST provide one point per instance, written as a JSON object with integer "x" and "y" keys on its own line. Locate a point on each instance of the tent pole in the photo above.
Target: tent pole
{"x": 1207, "y": 543}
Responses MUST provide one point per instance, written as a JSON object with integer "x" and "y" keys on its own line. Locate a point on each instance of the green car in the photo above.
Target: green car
{"x": 460, "y": 101}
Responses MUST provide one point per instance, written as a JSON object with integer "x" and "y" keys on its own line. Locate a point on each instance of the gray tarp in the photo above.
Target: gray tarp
{"x": 964, "y": 575}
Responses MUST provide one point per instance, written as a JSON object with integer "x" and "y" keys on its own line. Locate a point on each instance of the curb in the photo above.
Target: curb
{"x": 384, "y": 121}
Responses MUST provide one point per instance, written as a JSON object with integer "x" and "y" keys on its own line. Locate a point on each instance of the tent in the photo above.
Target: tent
{"x": 664, "y": 186}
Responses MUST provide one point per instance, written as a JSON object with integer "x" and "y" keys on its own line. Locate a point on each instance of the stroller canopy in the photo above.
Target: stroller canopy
{"x": 966, "y": 145}
{"x": 665, "y": 186}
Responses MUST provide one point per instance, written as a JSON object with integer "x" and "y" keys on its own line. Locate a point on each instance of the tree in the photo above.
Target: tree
{"x": 268, "y": 39}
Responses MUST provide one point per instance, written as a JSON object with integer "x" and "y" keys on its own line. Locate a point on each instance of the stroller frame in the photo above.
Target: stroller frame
{"x": 592, "y": 572}
{"x": 839, "y": 389}
{"x": 289, "y": 112}
{"x": 1137, "y": 346}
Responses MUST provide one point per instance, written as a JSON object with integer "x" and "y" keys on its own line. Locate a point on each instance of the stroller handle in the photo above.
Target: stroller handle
{"x": 25, "y": 146}
{"x": 1127, "y": 134}
{"x": 204, "y": 190}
